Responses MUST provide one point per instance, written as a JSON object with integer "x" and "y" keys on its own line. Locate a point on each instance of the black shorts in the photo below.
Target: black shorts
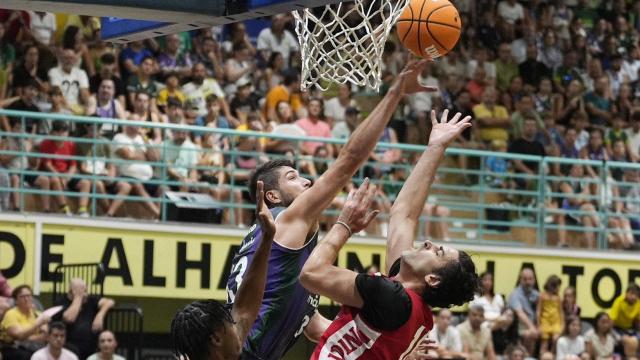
{"x": 111, "y": 188}
{"x": 31, "y": 179}
{"x": 72, "y": 184}
{"x": 151, "y": 189}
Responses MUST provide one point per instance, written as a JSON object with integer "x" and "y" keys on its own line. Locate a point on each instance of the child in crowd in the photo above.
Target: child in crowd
{"x": 571, "y": 343}
{"x": 550, "y": 314}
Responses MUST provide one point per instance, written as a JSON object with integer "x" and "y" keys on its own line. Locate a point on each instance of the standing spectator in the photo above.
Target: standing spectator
{"x": 107, "y": 346}
{"x": 30, "y": 69}
{"x": 109, "y": 71}
{"x": 334, "y": 108}
{"x": 476, "y": 339}
{"x": 492, "y": 119}
{"x": 550, "y": 314}
{"x": 532, "y": 70}
{"x": 277, "y": 39}
{"x": 492, "y": 303}
{"x": 571, "y": 344}
{"x": 625, "y": 313}
{"x": 144, "y": 82}
{"x": 238, "y": 68}
{"x": 23, "y": 330}
{"x": 66, "y": 168}
{"x": 446, "y": 336}
{"x": 129, "y": 145}
{"x": 599, "y": 341}
{"x": 55, "y": 345}
{"x": 506, "y": 67}
{"x": 181, "y": 156}
{"x": 72, "y": 80}
{"x": 524, "y": 302}
{"x": 315, "y": 126}
{"x": 173, "y": 62}
{"x": 598, "y": 103}
{"x": 200, "y": 87}
{"x": 84, "y": 316}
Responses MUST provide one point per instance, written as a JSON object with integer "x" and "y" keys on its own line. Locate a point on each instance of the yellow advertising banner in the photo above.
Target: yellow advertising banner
{"x": 187, "y": 262}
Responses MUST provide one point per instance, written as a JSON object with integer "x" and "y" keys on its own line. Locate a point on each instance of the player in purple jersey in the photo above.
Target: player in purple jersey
{"x": 208, "y": 330}
{"x": 288, "y": 310}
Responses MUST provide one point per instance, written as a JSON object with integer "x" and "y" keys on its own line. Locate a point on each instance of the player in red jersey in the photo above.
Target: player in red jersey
{"x": 387, "y": 317}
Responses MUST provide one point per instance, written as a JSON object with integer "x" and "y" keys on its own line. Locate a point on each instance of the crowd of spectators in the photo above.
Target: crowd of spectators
{"x": 539, "y": 77}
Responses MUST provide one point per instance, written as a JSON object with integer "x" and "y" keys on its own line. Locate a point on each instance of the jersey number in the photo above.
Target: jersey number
{"x": 240, "y": 268}
{"x": 305, "y": 322}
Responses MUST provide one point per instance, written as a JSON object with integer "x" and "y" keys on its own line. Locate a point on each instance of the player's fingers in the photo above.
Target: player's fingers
{"x": 362, "y": 190}
{"x": 466, "y": 119}
{"x": 434, "y": 121}
{"x": 445, "y": 115}
{"x": 370, "y": 195}
{"x": 259, "y": 196}
{"x": 455, "y": 118}
{"x": 372, "y": 215}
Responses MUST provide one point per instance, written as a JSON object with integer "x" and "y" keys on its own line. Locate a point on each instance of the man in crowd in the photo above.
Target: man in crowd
{"x": 55, "y": 345}
{"x": 447, "y": 337}
{"x": 625, "y": 314}
{"x": 476, "y": 339}
{"x": 72, "y": 80}
{"x": 524, "y": 300}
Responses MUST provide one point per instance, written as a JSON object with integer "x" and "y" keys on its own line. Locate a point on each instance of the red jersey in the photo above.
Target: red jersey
{"x": 350, "y": 336}
{"x": 67, "y": 149}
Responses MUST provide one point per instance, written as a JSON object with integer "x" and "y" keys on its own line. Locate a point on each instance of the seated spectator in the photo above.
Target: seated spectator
{"x": 633, "y": 133}
{"x": 213, "y": 119}
{"x": 72, "y": 39}
{"x": 55, "y": 345}
{"x": 98, "y": 163}
{"x": 524, "y": 302}
{"x": 549, "y": 53}
{"x": 504, "y": 331}
{"x": 172, "y": 61}
{"x": 170, "y": 91}
{"x": 618, "y": 153}
{"x": 550, "y": 314}
{"x": 238, "y": 68}
{"x": 527, "y": 145}
{"x": 420, "y": 105}
{"x": 314, "y": 126}
{"x": 28, "y": 71}
{"x": 142, "y": 111}
{"x": 273, "y": 75}
{"x": 598, "y": 103}
{"x": 245, "y": 100}
{"x": 447, "y": 337}
{"x": 131, "y": 146}
{"x": 131, "y": 57}
{"x": 107, "y": 346}
{"x": 515, "y": 352}
{"x": 65, "y": 169}
{"x": 572, "y": 102}
{"x": 5, "y": 296}
{"x": 200, "y": 87}
{"x": 594, "y": 150}
{"x": 492, "y": 119}
{"x": 476, "y": 339}
{"x": 510, "y": 11}
{"x": 238, "y": 34}
{"x": 617, "y": 133}
{"x": 72, "y": 80}
{"x": 435, "y": 221}
{"x": 477, "y": 85}
{"x": 498, "y": 167}
{"x": 26, "y": 102}
{"x": 84, "y": 316}
{"x": 143, "y": 82}
{"x": 577, "y": 198}
{"x": 23, "y": 330}
{"x": 571, "y": 344}
{"x": 58, "y": 106}
{"x": 568, "y": 148}
{"x": 105, "y": 105}
{"x": 543, "y": 98}
{"x": 532, "y": 70}
{"x": 109, "y": 71}
{"x": 492, "y": 303}
{"x": 524, "y": 110}
{"x": 506, "y": 67}
{"x": 210, "y": 54}
{"x": 181, "y": 156}
{"x": 480, "y": 59}
{"x": 277, "y": 39}
{"x": 569, "y": 304}
{"x": 625, "y": 313}
{"x": 600, "y": 341}
{"x": 336, "y": 107}
{"x": 288, "y": 91}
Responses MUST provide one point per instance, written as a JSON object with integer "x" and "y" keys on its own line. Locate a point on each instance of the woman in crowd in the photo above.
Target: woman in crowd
{"x": 571, "y": 343}
{"x": 600, "y": 341}
{"x": 23, "y": 330}
{"x": 492, "y": 303}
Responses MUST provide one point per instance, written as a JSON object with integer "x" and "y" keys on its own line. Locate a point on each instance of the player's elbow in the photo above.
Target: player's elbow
{"x": 308, "y": 278}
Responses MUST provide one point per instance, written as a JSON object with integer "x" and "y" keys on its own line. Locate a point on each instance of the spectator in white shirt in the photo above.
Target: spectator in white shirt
{"x": 202, "y": 86}
{"x": 42, "y": 26}
{"x": 73, "y": 81}
{"x": 277, "y": 39}
{"x": 633, "y": 133}
{"x": 492, "y": 303}
{"x": 447, "y": 337}
{"x": 55, "y": 345}
{"x": 571, "y": 344}
{"x": 107, "y": 346}
{"x": 510, "y": 11}
{"x": 335, "y": 108}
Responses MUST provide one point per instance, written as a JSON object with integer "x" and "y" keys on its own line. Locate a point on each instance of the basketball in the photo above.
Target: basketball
{"x": 429, "y": 28}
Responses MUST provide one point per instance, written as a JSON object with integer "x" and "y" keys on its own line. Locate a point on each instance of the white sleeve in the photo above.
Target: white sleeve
{"x": 292, "y": 40}
{"x": 561, "y": 348}
{"x": 53, "y": 24}
{"x": 54, "y": 79}
{"x": 83, "y": 79}
{"x": 262, "y": 43}
{"x": 457, "y": 342}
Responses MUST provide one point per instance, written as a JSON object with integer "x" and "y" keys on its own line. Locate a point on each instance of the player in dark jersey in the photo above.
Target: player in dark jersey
{"x": 386, "y": 317}
{"x": 288, "y": 310}
{"x": 208, "y": 330}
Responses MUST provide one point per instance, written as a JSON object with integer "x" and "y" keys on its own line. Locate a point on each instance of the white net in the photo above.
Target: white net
{"x": 344, "y": 42}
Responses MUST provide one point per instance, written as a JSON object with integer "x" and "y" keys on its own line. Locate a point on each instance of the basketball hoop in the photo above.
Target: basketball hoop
{"x": 344, "y": 42}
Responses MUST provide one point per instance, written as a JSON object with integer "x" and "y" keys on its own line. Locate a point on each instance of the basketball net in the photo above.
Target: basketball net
{"x": 344, "y": 42}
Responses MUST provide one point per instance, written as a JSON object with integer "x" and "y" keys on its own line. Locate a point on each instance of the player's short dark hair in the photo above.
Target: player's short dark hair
{"x": 192, "y": 326}
{"x": 459, "y": 282}
{"x": 57, "y": 325}
{"x": 267, "y": 173}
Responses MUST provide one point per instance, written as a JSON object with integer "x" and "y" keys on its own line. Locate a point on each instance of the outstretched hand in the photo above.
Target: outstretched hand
{"x": 445, "y": 131}
{"x": 265, "y": 218}
{"x": 409, "y": 78}
{"x": 421, "y": 352}
{"x": 355, "y": 212}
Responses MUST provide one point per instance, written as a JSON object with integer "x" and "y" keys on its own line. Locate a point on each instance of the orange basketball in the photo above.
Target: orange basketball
{"x": 429, "y": 27}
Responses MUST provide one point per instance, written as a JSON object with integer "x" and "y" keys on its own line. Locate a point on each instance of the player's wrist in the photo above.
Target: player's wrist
{"x": 345, "y": 226}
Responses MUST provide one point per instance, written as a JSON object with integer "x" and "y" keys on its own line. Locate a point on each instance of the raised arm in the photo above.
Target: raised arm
{"x": 250, "y": 292}
{"x": 319, "y": 274}
{"x": 408, "y": 206}
{"x": 305, "y": 210}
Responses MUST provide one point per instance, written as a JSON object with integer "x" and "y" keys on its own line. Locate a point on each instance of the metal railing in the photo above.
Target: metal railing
{"x": 473, "y": 204}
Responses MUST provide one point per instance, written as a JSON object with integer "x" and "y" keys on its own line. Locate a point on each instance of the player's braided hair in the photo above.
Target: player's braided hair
{"x": 193, "y": 325}
{"x": 458, "y": 283}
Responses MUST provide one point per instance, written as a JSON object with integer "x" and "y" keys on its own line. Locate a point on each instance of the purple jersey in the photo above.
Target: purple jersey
{"x": 286, "y": 307}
